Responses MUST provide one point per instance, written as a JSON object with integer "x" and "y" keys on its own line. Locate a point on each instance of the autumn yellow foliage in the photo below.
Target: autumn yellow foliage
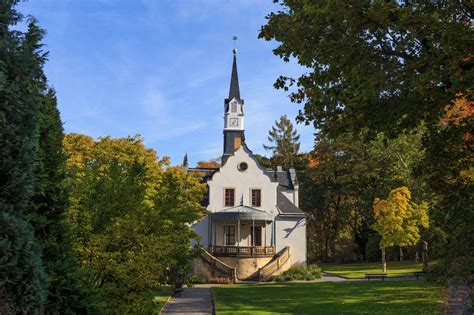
{"x": 398, "y": 218}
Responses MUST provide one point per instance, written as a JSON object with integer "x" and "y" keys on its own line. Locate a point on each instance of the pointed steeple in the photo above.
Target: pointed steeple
{"x": 234, "y": 90}
{"x": 234, "y": 134}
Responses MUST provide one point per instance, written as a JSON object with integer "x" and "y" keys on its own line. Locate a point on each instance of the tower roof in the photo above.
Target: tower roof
{"x": 234, "y": 90}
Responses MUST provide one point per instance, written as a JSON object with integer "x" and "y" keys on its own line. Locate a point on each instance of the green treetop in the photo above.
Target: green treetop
{"x": 284, "y": 142}
{"x": 391, "y": 66}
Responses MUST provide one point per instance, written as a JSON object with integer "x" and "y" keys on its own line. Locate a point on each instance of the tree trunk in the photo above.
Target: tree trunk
{"x": 401, "y": 253}
{"x": 425, "y": 256}
{"x": 384, "y": 262}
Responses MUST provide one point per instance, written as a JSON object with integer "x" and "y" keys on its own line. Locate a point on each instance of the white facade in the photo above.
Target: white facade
{"x": 229, "y": 176}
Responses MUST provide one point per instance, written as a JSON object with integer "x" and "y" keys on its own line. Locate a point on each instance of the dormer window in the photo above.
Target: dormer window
{"x": 233, "y": 107}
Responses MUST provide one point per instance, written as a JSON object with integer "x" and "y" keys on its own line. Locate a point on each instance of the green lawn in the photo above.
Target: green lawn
{"x": 358, "y": 270}
{"x": 161, "y": 297}
{"x": 390, "y": 297}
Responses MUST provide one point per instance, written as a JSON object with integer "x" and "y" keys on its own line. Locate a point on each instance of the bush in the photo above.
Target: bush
{"x": 196, "y": 280}
{"x": 310, "y": 272}
{"x": 221, "y": 280}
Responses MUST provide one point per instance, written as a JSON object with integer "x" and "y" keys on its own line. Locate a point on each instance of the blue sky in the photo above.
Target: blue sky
{"x": 162, "y": 69}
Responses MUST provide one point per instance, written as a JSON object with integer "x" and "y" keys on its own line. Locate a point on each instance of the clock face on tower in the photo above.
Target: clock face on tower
{"x": 234, "y": 122}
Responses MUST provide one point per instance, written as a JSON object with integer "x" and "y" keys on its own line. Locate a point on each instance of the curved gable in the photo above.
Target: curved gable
{"x": 254, "y": 177}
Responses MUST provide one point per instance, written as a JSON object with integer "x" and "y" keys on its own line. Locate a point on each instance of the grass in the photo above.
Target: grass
{"x": 161, "y": 297}
{"x": 358, "y": 270}
{"x": 391, "y": 297}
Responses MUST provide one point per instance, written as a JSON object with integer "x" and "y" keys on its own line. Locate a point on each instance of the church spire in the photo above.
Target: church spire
{"x": 234, "y": 90}
{"x": 233, "y": 115}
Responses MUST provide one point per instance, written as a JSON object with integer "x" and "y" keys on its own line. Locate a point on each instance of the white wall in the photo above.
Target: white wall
{"x": 201, "y": 229}
{"x": 291, "y": 231}
{"x": 230, "y": 177}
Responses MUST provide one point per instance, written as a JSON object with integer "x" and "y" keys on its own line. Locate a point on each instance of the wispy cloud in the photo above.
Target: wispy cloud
{"x": 162, "y": 69}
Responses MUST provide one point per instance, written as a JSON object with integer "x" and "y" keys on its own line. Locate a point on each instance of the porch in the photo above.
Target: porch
{"x": 242, "y": 232}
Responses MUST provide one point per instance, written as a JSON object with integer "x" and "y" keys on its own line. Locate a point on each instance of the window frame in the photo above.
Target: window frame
{"x": 253, "y": 234}
{"x": 224, "y": 234}
{"x": 251, "y": 197}
{"x": 233, "y": 107}
{"x": 225, "y": 197}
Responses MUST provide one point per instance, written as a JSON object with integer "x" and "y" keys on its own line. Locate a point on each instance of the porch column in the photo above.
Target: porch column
{"x": 265, "y": 231}
{"x": 215, "y": 235}
{"x": 210, "y": 231}
{"x": 253, "y": 232}
{"x": 238, "y": 236}
{"x": 273, "y": 233}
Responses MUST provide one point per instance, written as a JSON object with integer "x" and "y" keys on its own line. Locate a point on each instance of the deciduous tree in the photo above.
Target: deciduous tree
{"x": 390, "y": 66}
{"x": 397, "y": 220}
{"x": 131, "y": 216}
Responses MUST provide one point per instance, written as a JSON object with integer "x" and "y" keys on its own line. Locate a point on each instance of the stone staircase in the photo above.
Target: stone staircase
{"x": 217, "y": 268}
{"x": 279, "y": 264}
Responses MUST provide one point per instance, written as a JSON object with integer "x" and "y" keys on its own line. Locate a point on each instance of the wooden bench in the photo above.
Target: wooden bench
{"x": 376, "y": 276}
{"x": 418, "y": 274}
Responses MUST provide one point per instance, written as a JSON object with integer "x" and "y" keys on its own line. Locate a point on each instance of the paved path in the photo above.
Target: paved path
{"x": 191, "y": 301}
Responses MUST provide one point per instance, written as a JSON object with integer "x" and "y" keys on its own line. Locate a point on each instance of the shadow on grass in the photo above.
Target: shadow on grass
{"x": 358, "y": 270}
{"x": 404, "y": 297}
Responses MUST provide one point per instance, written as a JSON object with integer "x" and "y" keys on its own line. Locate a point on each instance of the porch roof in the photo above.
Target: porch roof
{"x": 241, "y": 213}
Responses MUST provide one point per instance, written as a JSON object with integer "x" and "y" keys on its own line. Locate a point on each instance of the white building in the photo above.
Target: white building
{"x": 254, "y": 228}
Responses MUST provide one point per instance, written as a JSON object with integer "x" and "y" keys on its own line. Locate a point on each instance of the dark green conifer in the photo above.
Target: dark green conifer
{"x": 23, "y": 281}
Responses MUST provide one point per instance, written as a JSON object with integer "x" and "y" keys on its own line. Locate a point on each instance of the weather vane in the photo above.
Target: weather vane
{"x": 235, "y": 38}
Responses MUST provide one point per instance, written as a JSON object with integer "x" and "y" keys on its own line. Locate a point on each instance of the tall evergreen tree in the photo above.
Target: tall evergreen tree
{"x": 284, "y": 142}
{"x": 47, "y": 211}
{"x": 23, "y": 281}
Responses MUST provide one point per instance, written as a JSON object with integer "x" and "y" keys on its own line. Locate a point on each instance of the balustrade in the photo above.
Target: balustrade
{"x": 251, "y": 251}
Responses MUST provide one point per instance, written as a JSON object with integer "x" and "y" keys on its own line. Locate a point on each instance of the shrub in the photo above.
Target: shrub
{"x": 196, "y": 280}
{"x": 310, "y": 272}
{"x": 221, "y": 280}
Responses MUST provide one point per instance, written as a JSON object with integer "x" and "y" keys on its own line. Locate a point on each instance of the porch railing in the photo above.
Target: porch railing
{"x": 276, "y": 263}
{"x": 250, "y": 251}
{"x": 218, "y": 265}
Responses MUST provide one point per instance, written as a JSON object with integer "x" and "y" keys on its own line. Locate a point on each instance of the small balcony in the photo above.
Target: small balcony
{"x": 242, "y": 251}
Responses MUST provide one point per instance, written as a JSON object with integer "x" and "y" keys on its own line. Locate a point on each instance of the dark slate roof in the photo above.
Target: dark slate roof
{"x": 242, "y": 213}
{"x": 207, "y": 172}
{"x": 234, "y": 90}
{"x": 229, "y": 136}
{"x": 286, "y": 206}
{"x": 283, "y": 177}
